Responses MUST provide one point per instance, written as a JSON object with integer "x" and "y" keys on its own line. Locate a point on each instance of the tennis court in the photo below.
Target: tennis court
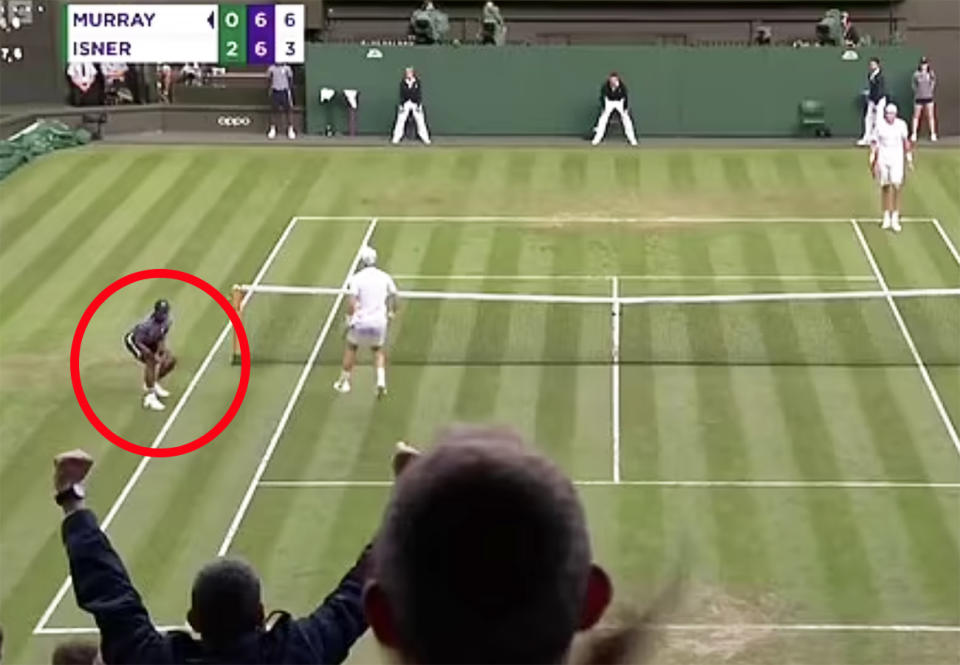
{"x": 769, "y": 401}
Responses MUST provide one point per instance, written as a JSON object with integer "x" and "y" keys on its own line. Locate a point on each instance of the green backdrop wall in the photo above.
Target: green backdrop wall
{"x": 553, "y": 90}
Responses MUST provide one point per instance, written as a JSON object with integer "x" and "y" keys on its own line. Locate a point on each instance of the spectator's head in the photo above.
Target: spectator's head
{"x": 225, "y": 601}
{"x": 614, "y": 79}
{"x": 76, "y": 652}
{"x": 924, "y": 65}
{"x": 483, "y": 556}
{"x": 874, "y": 64}
{"x": 408, "y": 73}
{"x": 845, "y": 18}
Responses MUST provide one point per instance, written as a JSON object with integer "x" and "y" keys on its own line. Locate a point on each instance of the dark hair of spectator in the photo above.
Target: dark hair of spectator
{"x": 484, "y": 554}
{"x": 924, "y": 61}
{"x": 612, "y": 74}
{"x": 875, "y": 59}
{"x": 225, "y": 601}
{"x": 75, "y": 652}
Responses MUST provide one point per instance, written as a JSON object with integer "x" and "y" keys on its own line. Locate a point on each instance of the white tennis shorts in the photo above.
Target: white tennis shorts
{"x": 367, "y": 334}
{"x": 890, "y": 172}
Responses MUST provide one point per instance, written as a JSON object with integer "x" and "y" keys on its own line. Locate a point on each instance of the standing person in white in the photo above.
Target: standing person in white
{"x": 889, "y": 148}
{"x": 411, "y": 101}
{"x": 373, "y": 301}
{"x": 613, "y": 95}
{"x": 924, "y": 82}
{"x": 876, "y": 100}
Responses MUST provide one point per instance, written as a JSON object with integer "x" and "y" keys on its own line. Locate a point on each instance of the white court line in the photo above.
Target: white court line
{"x": 750, "y": 484}
{"x": 601, "y": 220}
{"x": 294, "y": 396}
{"x": 908, "y": 338}
{"x": 125, "y": 492}
{"x": 946, "y": 238}
{"x": 691, "y": 627}
{"x": 615, "y": 375}
{"x": 643, "y": 278}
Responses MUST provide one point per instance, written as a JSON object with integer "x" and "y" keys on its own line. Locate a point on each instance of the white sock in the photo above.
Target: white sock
{"x": 886, "y": 218}
{"x": 381, "y": 377}
{"x": 344, "y": 375}
{"x": 895, "y": 215}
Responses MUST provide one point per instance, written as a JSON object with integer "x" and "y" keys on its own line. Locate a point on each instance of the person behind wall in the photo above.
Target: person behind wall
{"x": 86, "y": 84}
{"x": 850, "y": 35}
{"x": 493, "y": 28}
{"x": 411, "y": 101}
{"x": 876, "y": 100}
{"x": 613, "y": 97}
{"x": 924, "y": 81}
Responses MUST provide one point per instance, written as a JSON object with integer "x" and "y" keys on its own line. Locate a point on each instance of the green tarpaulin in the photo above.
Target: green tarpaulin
{"x": 40, "y": 138}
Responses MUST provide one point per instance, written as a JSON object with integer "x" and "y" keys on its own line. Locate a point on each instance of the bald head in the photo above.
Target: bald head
{"x": 483, "y": 556}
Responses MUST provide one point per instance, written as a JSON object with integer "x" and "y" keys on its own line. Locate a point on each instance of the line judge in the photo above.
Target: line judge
{"x": 613, "y": 95}
{"x": 411, "y": 101}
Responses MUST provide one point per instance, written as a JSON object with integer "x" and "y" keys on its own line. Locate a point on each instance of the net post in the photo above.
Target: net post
{"x": 236, "y": 299}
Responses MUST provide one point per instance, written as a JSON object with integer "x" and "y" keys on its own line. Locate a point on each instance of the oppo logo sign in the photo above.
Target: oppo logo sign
{"x": 234, "y": 121}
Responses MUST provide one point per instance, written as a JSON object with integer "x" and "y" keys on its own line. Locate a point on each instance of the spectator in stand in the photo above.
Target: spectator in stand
{"x": 493, "y": 30}
{"x": 281, "y": 98}
{"x": 76, "y": 652}
{"x": 850, "y": 35}
{"x": 876, "y": 100}
{"x": 924, "y": 81}
{"x": 226, "y": 609}
{"x": 411, "y": 101}
{"x": 483, "y": 557}
{"x": 613, "y": 97}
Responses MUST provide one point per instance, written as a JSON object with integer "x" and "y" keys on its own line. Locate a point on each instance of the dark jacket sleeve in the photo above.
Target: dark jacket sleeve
{"x": 103, "y": 588}
{"x": 333, "y": 628}
{"x": 626, "y": 99}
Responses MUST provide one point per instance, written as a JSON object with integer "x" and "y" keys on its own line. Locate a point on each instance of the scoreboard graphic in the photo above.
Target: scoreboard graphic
{"x": 205, "y": 34}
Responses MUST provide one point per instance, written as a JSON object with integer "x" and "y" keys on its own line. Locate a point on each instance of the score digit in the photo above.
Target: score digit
{"x": 290, "y": 20}
{"x": 233, "y": 35}
{"x": 290, "y": 25}
{"x": 260, "y": 19}
{"x": 260, "y": 48}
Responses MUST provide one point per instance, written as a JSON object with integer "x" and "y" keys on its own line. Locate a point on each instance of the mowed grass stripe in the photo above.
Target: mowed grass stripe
{"x": 18, "y": 290}
{"x": 76, "y": 176}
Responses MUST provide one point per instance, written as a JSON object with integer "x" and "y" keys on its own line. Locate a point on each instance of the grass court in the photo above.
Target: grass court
{"x": 798, "y": 450}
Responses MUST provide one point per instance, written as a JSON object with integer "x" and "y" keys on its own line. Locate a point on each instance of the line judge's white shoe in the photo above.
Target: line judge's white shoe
{"x": 272, "y": 132}
{"x": 152, "y": 402}
{"x": 886, "y": 224}
{"x": 341, "y": 386}
{"x": 933, "y": 137}
{"x": 291, "y": 134}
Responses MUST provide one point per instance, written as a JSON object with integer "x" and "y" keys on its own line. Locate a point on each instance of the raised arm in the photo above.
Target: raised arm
{"x": 100, "y": 581}
{"x": 335, "y": 626}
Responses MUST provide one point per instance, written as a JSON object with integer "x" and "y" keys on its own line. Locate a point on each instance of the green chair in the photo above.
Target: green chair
{"x": 813, "y": 118}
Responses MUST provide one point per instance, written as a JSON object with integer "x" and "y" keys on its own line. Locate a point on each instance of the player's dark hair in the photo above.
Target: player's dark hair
{"x": 483, "y": 554}
{"x": 161, "y": 307}
{"x": 225, "y": 601}
{"x": 875, "y": 59}
{"x": 75, "y": 652}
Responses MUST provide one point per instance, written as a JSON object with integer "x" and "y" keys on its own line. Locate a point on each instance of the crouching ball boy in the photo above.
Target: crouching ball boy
{"x": 372, "y": 304}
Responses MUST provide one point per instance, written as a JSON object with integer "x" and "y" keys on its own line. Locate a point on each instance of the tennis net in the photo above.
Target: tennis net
{"x": 834, "y": 328}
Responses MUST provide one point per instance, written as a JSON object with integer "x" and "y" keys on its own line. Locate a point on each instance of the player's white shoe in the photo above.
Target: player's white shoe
{"x": 272, "y": 132}
{"x": 152, "y": 402}
{"x": 160, "y": 390}
{"x": 291, "y": 134}
{"x": 895, "y": 224}
{"x": 886, "y": 221}
{"x": 913, "y": 138}
{"x": 863, "y": 141}
{"x": 342, "y": 386}
{"x": 933, "y": 137}
{"x": 381, "y": 392}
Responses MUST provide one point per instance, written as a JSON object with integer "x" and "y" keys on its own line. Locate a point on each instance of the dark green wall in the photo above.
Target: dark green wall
{"x": 553, "y": 90}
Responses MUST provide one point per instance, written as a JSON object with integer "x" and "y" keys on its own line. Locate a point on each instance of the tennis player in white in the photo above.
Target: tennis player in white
{"x": 889, "y": 149}
{"x": 373, "y": 302}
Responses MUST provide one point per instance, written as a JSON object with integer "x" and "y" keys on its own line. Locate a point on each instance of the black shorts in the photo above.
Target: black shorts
{"x": 132, "y": 347}
{"x": 280, "y": 99}
{"x": 923, "y": 101}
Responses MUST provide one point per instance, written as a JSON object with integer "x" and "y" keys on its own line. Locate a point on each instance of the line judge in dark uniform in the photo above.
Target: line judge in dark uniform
{"x": 411, "y": 101}
{"x": 613, "y": 96}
